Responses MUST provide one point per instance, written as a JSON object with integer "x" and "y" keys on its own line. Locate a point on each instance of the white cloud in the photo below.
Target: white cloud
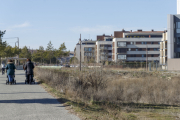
{"x": 107, "y": 29}
{"x": 26, "y": 24}
{"x": 23, "y": 25}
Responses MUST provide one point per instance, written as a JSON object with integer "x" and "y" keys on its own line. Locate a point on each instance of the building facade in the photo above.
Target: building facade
{"x": 103, "y": 49}
{"x": 128, "y": 46}
{"x": 173, "y": 43}
{"x": 163, "y": 50}
{"x": 87, "y": 50}
{"x": 137, "y": 46}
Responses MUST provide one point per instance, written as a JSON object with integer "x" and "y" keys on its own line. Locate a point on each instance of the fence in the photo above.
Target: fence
{"x": 141, "y": 66}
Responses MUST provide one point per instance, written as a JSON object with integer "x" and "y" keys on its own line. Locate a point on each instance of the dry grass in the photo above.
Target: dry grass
{"x": 114, "y": 94}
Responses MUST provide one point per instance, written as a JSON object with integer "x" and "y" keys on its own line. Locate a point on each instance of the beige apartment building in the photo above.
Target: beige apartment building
{"x": 163, "y": 51}
{"x": 87, "y": 50}
{"x": 137, "y": 46}
{"x": 128, "y": 46}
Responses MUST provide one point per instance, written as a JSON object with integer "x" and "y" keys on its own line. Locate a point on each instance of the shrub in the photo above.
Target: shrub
{"x": 117, "y": 87}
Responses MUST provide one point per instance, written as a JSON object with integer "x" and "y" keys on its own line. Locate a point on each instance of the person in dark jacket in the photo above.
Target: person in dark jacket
{"x": 29, "y": 66}
{"x": 10, "y": 70}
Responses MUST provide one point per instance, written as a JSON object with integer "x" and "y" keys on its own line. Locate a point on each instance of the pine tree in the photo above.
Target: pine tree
{"x": 50, "y": 50}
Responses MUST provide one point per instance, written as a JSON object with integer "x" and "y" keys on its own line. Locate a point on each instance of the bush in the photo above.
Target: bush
{"x": 116, "y": 87}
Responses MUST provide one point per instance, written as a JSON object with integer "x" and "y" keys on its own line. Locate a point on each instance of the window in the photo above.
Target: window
{"x": 152, "y": 42}
{"x": 148, "y": 49}
{"x": 90, "y": 49}
{"x": 177, "y": 24}
{"x": 140, "y": 49}
{"x": 136, "y": 49}
{"x": 132, "y": 43}
{"x": 152, "y": 55}
{"x": 108, "y": 39}
{"x": 122, "y": 50}
{"x": 121, "y": 44}
{"x": 177, "y": 30}
{"x": 129, "y": 49}
{"x": 85, "y": 49}
{"x": 133, "y": 55}
{"x": 121, "y": 57}
{"x": 143, "y": 55}
{"x": 142, "y": 42}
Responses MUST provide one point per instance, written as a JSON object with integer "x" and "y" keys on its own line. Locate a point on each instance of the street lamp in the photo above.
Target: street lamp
{"x": 13, "y": 38}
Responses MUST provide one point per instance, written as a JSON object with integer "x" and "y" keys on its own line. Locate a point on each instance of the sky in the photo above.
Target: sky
{"x": 36, "y": 22}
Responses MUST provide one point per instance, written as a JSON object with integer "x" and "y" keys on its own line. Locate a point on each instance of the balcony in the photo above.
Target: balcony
{"x": 142, "y": 58}
{"x": 143, "y": 46}
{"x": 143, "y": 52}
{"x": 103, "y": 48}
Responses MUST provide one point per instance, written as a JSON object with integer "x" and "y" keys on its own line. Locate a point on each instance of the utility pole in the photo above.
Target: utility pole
{"x": 146, "y": 59}
{"x": 80, "y": 51}
{"x": 18, "y": 48}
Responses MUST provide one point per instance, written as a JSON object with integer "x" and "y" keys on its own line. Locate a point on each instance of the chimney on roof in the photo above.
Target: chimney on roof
{"x": 139, "y": 30}
{"x": 123, "y": 30}
{"x": 152, "y": 30}
{"x": 103, "y": 34}
{"x": 131, "y": 31}
{"x": 111, "y": 35}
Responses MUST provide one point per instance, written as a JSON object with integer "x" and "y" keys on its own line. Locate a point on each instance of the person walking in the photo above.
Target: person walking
{"x": 29, "y": 66}
{"x": 3, "y": 68}
{"x": 10, "y": 71}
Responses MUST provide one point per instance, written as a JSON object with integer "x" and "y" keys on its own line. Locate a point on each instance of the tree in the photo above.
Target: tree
{"x": 56, "y": 54}
{"x": 41, "y": 52}
{"x": 25, "y": 53}
{"x": 3, "y": 45}
{"x": 15, "y": 50}
{"x": 73, "y": 60}
{"x": 61, "y": 52}
{"x": 50, "y": 50}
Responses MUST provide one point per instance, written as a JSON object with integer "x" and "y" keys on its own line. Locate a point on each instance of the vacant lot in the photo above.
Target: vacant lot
{"x": 104, "y": 94}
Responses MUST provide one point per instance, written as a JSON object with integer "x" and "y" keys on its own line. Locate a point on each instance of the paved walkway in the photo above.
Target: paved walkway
{"x": 29, "y": 102}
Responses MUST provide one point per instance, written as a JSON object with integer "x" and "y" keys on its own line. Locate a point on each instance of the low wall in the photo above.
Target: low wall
{"x": 19, "y": 67}
{"x": 174, "y": 64}
{"x": 53, "y": 67}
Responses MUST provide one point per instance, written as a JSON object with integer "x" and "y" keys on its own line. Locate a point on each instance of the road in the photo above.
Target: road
{"x": 29, "y": 102}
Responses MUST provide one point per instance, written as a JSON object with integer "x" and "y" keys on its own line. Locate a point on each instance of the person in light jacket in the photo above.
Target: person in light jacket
{"x": 3, "y": 68}
{"x": 10, "y": 70}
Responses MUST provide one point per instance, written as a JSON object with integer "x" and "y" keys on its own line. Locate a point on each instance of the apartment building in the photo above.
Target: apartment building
{"x": 103, "y": 49}
{"x": 137, "y": 46}
{"x": 173, "y": 43}
{"x": 87, "y": 50}
{"x": 128, "y": 46}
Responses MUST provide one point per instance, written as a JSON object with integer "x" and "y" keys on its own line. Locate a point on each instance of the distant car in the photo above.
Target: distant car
{"x": 67, "y": 65}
